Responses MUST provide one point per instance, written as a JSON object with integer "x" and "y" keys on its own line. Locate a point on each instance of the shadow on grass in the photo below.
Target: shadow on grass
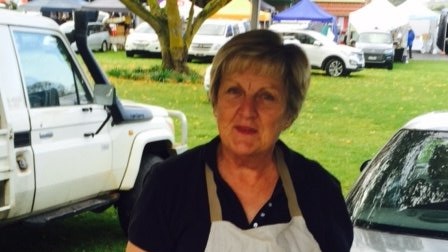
{"x": 85, "y": 232}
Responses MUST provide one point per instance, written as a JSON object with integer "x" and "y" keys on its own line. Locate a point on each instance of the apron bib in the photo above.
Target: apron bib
{"x": 283, "y": 237}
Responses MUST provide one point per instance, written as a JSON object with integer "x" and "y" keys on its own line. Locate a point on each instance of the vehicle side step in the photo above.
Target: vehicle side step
{"x": 77, "y": 208}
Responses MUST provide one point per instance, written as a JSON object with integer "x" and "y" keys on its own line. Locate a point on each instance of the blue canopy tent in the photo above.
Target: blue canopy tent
{"x": 305, "y": 10}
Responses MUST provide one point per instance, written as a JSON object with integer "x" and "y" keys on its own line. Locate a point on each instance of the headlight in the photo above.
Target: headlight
{"x": 216, "y": 46}
{"x": 389, "y": 51}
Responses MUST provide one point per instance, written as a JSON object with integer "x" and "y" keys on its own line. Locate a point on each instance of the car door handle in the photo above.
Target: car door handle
{"x": 87, "y": 109}
{"x": 89, "y": 134}
{"x": 44, "y": 135}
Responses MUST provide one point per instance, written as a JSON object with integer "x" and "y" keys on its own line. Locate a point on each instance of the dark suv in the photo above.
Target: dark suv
{"x": 377, "y": 47}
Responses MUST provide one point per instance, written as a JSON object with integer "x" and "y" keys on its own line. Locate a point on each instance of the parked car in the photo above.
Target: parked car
{"x": 213, "y": 34}
{"x": 400, "y": 201}
{"x": 142, "y": 41}
{"x": 98, "y": 38}
{"x": 378, "y": 48}
{"x": 323, "y": 53}
{"x": 68, "y": 144}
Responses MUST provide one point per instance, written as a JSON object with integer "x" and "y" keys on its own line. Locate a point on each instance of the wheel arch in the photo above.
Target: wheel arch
{"x": 330, "y": 57}
{"x": 159, "y": 147}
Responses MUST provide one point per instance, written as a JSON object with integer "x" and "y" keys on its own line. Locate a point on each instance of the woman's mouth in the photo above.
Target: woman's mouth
{"x": 245, "y": 130}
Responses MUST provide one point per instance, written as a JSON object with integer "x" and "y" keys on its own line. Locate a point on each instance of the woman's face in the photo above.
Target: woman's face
{"x": 250, "y": 112}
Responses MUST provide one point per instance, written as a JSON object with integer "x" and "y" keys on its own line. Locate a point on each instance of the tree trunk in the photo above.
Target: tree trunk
{"x": 174, "y": 38}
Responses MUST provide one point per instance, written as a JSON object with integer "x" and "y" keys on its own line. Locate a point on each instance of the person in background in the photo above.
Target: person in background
{"x": 245, "y": 190}
{"x": 411, "y": 37}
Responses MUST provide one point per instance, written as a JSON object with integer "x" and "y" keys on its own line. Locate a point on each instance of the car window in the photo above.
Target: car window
{"x": 229, "y": 32}
{"x": 246, "y": 26}
{"x": 375, "y": 38}
{"x": 49, "y": 73}
{"x": 94, "y": 28}
{"x": 236, "y": 29}
{"x": 212, "y": 29}
{"x": 305, "y": 39}
{"x": 406, "y": 185}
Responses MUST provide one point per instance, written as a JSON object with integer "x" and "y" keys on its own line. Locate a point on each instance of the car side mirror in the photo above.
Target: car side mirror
{"x": 364, "y": 165}
{"x": 317, "y": 43}
{"x": 104, "y": 94}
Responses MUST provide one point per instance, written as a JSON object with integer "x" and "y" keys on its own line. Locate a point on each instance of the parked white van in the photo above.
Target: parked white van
{"x": 213, "y": 34}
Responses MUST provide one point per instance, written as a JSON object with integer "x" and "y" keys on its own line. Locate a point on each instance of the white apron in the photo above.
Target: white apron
{"x": 293, "y": 236}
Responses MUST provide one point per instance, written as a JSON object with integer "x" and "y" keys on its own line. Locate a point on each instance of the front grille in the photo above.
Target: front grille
{"x": 201, "y": 46}
{"x": 372, "y": 57}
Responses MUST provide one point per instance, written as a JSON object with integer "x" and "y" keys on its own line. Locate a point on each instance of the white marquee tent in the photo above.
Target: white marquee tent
{"x": 378, "y": 14}
{"x": 424, "y": 23}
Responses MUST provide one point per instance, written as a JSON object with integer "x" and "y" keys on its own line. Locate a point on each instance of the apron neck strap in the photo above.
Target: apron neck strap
{"x": 215, "y": 205}
{"x": 213, "y": 200}
{"x": 293, "y": 204}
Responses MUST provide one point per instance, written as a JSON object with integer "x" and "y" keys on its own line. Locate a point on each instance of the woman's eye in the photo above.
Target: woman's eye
{"x": 233, "y": 90}
{"x": 267, "y": 97}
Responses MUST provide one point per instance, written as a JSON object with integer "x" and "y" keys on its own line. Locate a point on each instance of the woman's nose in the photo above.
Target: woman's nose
{"x": 248, "y": 106}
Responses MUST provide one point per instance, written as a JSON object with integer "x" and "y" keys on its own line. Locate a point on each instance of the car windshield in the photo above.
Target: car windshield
{"x": 405, "y": 187}
{"x": 144, "y": 28}
{"x": 375, "y": 38}
{"x": 212, "y": 29}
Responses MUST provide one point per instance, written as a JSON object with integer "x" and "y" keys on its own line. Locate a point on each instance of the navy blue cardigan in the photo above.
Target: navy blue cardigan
{"x": 172, "y": 212}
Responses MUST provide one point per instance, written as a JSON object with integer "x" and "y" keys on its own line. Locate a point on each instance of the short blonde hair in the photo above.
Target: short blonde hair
{"x": 263, "y": 51}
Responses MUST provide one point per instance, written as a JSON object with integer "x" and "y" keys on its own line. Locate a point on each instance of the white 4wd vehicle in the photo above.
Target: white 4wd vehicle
{"x": 323, "y": 53}
{"x": 66, "y": 147}
{"x": 212, "y": 35}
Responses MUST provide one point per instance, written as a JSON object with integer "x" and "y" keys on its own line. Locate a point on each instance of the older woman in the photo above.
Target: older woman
{"x": 245, "y": 190}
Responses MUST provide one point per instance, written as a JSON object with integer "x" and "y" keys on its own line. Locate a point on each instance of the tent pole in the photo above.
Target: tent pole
{"x": 254, "y": 14}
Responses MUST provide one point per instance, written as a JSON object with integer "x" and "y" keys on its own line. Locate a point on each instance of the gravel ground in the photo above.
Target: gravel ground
{"x": 429, "y": 56}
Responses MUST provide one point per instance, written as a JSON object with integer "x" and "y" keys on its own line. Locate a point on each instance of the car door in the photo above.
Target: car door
{"x": 314, "y": 52}
{"x": 94, "y": 39}
{"x": 72, "y": 160}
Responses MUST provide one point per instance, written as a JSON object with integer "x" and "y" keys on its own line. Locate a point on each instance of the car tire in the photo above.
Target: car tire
{"x": 335, "y": 67}
{"x": 127, "y": 199}
{"x": 390, "y": 65}
{"x": 104, "y": 46}
{"x": 446, "y": 47}
{"x": 129, "y": 54}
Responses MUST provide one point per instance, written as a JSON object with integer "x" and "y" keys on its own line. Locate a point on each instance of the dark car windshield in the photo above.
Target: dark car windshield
{"x": 375, "y": 38}
{"x": 405, "y": 187}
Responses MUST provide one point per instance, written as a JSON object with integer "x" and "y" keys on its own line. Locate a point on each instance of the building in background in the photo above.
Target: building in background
{"x": 341, "y": 9}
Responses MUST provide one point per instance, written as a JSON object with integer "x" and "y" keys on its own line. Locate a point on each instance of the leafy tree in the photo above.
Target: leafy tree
{"x": 175, "y": 35}
{"x": 9, "y": 4}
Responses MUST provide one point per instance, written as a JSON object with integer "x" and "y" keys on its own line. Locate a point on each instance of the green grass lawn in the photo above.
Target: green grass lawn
{"x": 344, "y": 121}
